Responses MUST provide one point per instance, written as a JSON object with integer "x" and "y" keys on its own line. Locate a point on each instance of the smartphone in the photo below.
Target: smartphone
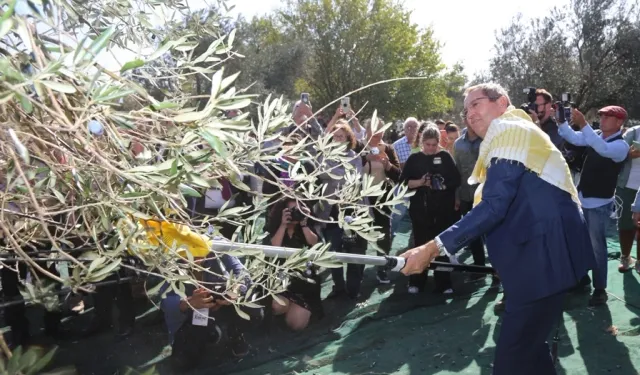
{"x": 346, "y": 105}
{"x": 636, "y": 145}
{"x": 304, "y": 97}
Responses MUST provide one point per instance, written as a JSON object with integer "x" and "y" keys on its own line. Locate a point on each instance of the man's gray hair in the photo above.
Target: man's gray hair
{"x": 431, "y": 131}
{"x": 492, "y": 90}
{"x": 410, "y": 120}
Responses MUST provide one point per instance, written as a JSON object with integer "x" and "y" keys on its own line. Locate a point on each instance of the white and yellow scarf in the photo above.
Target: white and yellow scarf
{"x": 513, "y": 136}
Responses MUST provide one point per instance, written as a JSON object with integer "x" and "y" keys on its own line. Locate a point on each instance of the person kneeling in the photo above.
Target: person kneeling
{"x": 289, "y": 228}
{"x": 197, "y": 320}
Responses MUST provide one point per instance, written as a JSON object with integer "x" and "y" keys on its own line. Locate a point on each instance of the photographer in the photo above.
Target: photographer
{"x": 190, "y": 331}
{"x": 605, "y": 155}
{"x": 288, "y": 227}
{"x": 544, "y": 117}
{"x": 341, "y": 133}
{"x": 350, "y": 117}
{"x": 276, "y": 174}
{"x": 433, "y": 175}
{"x": 305, "y": 125}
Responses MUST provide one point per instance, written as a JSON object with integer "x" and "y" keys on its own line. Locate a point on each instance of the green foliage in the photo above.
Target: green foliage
{"x": 163, "y": 137}
{"x": 31, "y": 362}
{"x": 352, "y": 44}
{"x": 589, "y": 49}
{"x": 329, "y": 48}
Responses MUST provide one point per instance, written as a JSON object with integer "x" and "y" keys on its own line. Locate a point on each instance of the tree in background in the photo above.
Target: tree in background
{"x": 332, "y": 48}
{"x": 82, "y": 172}
{"x": 354, "y": 43}
{"x": 590, "y": 49}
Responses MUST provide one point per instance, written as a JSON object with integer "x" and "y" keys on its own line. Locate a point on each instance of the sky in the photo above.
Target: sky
{"x": 465, "y": 27}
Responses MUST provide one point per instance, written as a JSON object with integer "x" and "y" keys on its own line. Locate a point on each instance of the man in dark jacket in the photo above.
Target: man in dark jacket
{"x": 536, "y": 235}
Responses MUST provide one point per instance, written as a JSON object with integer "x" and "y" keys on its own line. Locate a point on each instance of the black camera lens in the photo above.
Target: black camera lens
{"x": 296, "y": 214}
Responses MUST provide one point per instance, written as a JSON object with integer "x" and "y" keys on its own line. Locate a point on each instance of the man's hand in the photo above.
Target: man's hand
{"x": 298, "y": 117}
{"x": 419, "y": 258}
{"x": 633, "y": 153}
{"x": 578, "y": 118}
{"x": 286, "y": 217}
{"x": 301, "y": 110}
{"x": 306, "y": 212}
{"x": 201, "y": 299}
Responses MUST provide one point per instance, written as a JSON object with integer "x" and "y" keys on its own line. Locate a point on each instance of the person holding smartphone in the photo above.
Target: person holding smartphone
{"x": 433, "y": 175}
{"x": 305, "y": 124}
{"x": 346, "y": 113}
{"x": 380, "y": 161}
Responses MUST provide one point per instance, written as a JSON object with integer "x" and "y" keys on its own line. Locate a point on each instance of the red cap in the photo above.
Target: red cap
{"x": 614, "y": 111}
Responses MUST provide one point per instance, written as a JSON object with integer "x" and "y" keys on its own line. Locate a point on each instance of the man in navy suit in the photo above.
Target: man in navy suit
{"x": 533, "y": 226}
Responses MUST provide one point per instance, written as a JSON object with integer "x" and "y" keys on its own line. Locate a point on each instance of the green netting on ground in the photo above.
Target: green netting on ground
{"x": 392, "y": 332}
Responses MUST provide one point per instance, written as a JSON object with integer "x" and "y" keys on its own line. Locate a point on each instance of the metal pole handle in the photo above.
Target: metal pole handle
{"x": 393, "y": 263}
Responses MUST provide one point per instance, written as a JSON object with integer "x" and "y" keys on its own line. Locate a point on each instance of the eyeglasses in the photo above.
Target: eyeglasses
{"x": 474, "y": 103}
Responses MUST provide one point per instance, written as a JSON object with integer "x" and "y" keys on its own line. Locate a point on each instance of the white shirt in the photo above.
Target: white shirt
{"x": 634, "y": 174}
{"x": 361, "y": 135}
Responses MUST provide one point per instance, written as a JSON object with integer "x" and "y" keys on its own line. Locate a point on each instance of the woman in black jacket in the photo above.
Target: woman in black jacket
{"x": 433, "y": 175}
{"x": 289, "y": 227}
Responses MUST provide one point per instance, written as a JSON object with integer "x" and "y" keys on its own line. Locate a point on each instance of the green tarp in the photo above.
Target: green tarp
{"x": 391, "y": 332}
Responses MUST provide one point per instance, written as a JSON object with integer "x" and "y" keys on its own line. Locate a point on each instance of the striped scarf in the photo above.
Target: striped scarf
{"x": 513, "y": 136}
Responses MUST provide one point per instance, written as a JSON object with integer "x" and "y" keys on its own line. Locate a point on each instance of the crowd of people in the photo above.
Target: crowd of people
{"x": 435, "y": 160}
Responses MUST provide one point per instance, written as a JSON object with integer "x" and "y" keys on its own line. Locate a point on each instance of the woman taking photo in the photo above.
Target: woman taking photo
{"x": 288, "y": 228}
{"x": 433, "y": 175}
{"x": 341, "y": 132}
{"x": 380, "y": 161}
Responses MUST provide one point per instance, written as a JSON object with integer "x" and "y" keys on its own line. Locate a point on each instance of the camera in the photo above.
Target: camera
{"x": 296, "y": 214}
{"x": 563, "y": 109}
{"x": 437, "y": 182}
{"x": 531, "y": 99}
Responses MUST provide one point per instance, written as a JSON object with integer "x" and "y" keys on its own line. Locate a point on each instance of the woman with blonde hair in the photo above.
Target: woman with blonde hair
{"x": 381, "y": 162}
{"x": 341, "y": 132}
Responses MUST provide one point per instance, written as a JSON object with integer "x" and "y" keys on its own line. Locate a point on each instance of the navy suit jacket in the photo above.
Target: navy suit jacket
{"x": 536, "y": 236}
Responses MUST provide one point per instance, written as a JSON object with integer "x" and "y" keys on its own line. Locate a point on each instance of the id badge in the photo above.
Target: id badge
{"x": 437, "y": 161}
{"x": 200, "y": 317}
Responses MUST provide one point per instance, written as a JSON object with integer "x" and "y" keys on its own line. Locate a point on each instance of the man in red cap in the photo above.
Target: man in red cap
{"x": 605, "y": 156}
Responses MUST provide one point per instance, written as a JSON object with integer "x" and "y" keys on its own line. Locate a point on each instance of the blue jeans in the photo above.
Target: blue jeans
{"x": 397, "y": 218}
{"x": 598, "y": 220}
